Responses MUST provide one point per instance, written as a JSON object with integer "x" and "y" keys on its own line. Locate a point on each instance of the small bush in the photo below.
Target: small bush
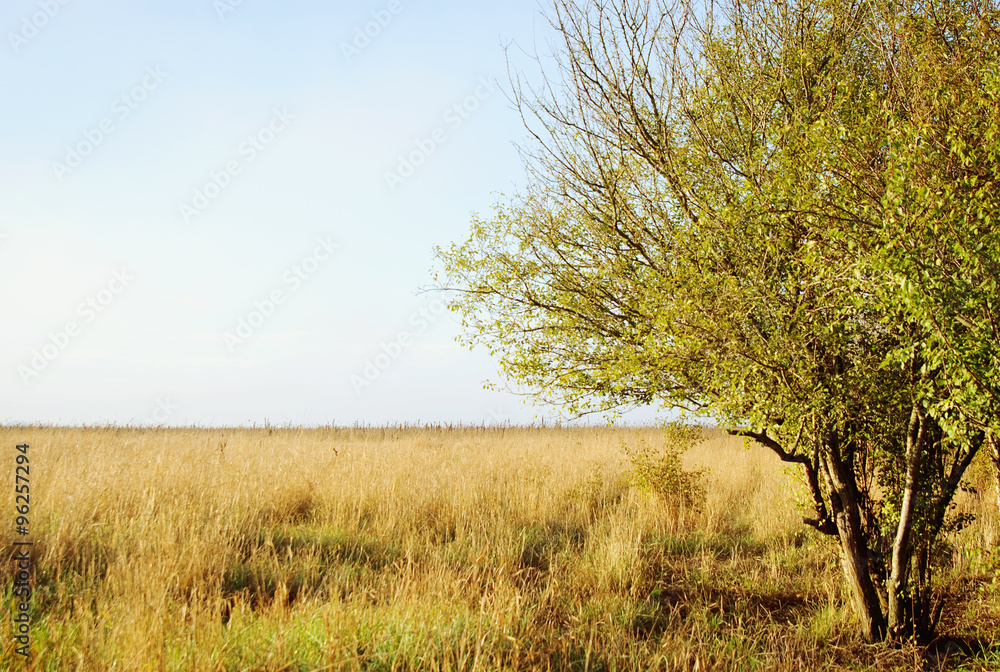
{"x": 659, "y": 472}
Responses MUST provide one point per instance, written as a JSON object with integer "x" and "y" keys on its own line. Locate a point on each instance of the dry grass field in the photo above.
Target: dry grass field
{"x": 441, "y": 549}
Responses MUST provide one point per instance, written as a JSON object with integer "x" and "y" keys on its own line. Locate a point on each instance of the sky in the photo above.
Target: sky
{"x": 224, "y": 212}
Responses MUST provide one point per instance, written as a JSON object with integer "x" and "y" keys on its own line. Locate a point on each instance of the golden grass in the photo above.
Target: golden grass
{"x": 434, "y": 549}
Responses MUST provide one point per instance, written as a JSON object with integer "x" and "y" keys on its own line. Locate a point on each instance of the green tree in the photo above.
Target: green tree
{"x": 780, "y": 216}
{"x": 941, "y": 243}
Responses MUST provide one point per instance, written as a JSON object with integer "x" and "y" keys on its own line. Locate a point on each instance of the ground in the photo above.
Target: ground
{"x": 442, "y": 549}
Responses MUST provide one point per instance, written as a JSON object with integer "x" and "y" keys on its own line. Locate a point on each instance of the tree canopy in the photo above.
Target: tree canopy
{"x": 779, "y": 216}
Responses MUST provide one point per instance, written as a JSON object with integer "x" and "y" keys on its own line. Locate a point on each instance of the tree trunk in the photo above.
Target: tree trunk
{"x": 995, "y": 456}
{"x": 900, "y": 620}
{"x": 846, "y": 507}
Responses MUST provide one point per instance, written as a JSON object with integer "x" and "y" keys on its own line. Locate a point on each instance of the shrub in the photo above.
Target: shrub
{"x": 659, "y": 471}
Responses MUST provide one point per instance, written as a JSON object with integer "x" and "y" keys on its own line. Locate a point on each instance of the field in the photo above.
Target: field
{"x": 443, "y": 549}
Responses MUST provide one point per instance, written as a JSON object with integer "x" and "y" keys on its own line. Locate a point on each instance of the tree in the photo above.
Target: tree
{"x": 941, "y": 196}
{"x": 750, "y": 211}
{"x": 938, "y": 250}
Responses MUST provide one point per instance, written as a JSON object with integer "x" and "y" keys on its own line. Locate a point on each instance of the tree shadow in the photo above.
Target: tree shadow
{"x": 946, "y": 651}
{"x": 670, "y": 603}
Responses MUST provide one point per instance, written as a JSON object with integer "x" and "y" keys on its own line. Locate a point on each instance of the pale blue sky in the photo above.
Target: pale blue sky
{"x": 120, "y": 283}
